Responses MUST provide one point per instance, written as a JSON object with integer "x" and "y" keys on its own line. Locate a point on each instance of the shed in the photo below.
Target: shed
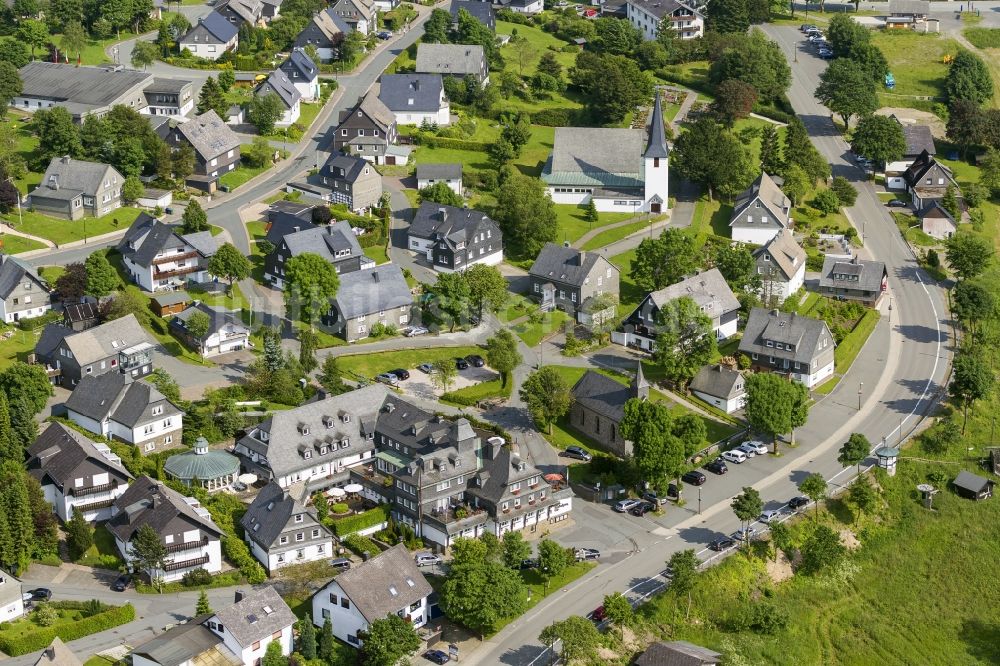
{"x": 677, "y": 653}
{"x": 170, "y": 302}
{"x": 80, "y": 316}
{"x": 154, "y": 198}
{"x": 971, "y": 486}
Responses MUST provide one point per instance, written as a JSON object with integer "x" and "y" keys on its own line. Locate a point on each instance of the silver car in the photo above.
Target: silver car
{"x": 388, "y": 378}
{"x": 426, "y": 559}
{"x": 760, "y": 448}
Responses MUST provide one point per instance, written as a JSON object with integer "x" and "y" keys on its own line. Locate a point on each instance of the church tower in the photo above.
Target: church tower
{"x": 655, "y": 159}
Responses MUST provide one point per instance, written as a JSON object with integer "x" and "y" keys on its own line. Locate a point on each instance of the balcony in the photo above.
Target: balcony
{"x": 187, "y": 545}
{"x": 93, "y": 490}
{"x": 175, "y": 257}
{"x": 185, "y": 564}
{"x": 94, "y": 506}
{"x": 164, "y": 275}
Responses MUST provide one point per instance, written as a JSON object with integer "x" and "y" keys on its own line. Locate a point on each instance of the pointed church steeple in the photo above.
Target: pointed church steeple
{"x": 639, "y": 386}
{"x": 657, "y": 145}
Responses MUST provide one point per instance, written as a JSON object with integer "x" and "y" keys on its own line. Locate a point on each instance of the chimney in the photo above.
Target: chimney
{"x": 66, "y": 159}
{"x": 565, "y": 243}
{"x": 50, "y": 652}
{"x": 444, "y": 213}
{"x": 238, "y": 597}
{"x": 375, "y": 276}
{"x": 297, "y": 228}
{"x": 581, "y": 258}
{"x": 329, "y": 230}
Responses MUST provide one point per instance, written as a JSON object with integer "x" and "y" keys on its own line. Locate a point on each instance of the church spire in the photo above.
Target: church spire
{"x": 640, "y": 387}
{"x": 657, "y": 145}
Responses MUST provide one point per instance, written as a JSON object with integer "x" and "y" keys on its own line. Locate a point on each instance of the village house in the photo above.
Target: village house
{"x": 369, "y": 131}
{"x": 720, "y": 387}
{"x": 242, "y": 12}
{"x": 216, "y": 148}
{"x": 677, "y": 653}
{"x": 389, "y": 583}
{"x": 76, "y": 473}
{"x": 80, "y": 316}
{"x": 761, "y": 212}
{"x": 334, "y": 242}
{"x": 359, "y": 15}
{"x": 376, "y": 295}
{"x": 11, "y": 601}
{"x": 169, "y": 97}
{"x": 458, "y": 60}
{"x": 82, "y": 91}
{"x": 117, "y": 346}
{"x": 280, "y": 531}
{"x": 325, "y": 32}
{"x": 226, "y": 331}
{"x": 708, "y": 290}
{"x": 936, "y": 222}
{"x": 571, "y": 280}
{"x": 185, "y": 527}
{"x": 303, "y": 73}
{"x": 157, "y": 256}
{"x": 790, "y": 344}
{"x": 918, "y": 140}
{"x": 599, "y": 406}
{"x": 278, "y": 83}
{"x": 212, "y": 36}
{"x": 781, "y": 265}
{"x": 116, "y": 407}
{"x": 481, "y": 11}
{"x": 927, "y": 182}
{"x": 415, "y": 99}
{"x": 911, "y": 15}
{"x": 452, "y": 238}
{"x": 71, "y": 189}
{"x": 448, "y": 173}
{"x": 610, "y": 167}
{"x": 23, "y": 293}
{"x": 853, "y": 280}
{"x": 648, "y": 15}
{"x": 272, "y": 10}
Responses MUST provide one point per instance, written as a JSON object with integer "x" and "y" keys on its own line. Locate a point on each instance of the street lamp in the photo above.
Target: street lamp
{"x": 860, "y": 388}
{"x": 699, "y": 500}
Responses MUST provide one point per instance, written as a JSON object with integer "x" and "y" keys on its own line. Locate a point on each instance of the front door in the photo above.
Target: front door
{"x": 654, "y": 208}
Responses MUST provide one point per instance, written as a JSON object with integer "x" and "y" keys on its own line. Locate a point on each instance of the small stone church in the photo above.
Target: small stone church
{"x": 599, "y": 407}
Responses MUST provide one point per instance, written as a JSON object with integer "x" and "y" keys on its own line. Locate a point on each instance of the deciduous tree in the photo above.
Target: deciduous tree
{"x": 101, "y": 277}
{"x": 734, "y": 101}
{"x": 444, "y": 374}
{"x": 847, "y": 90}
{"x": 814, "y": 487}
{"x": 487, "y": 288}
{"x": 388, "y": 640}
{"x": 968, "y": 254}
{"x": 821, "y": 550}
{"x": 664, "y": 260}
{"x": 230, "y": 264}
{"x": 195, "y": 218}
{"x": 264, "y": 111}
{"x": 149, "y": 553}
{"x": 577, "y": 636}
{"x": 441, "y": 193}
{"x": 514, "y": 549}
{"x": 612, "y": 85}
{"x": 756, "y": 61}
{"x": 747, "y": 507}
{"x": 714, "y": 157}
{"x": 480, "y": 595}
{"x": 971, "y": 380}
{"x": 972, "y": 303}
{"x": 969, "y": 78}
{"x": 658, "y": 453}
{"x": 144, "y": 54}
{"x": 685, "y": 341}
{"x": 771, "y": 404}
{"x": 879, "y": 138}
{"x": 684, "y": 574}
{"x": 547, "y": 396}
{"x": 502, "y": 354}
{"x": 311, "y": 282}
{"x": 854, "y": 450}
{"x": 526, "y": 215}
{"x": 72, "y": 284}
{"x": 57, "y": 135}
{"x": 452, "y": 296}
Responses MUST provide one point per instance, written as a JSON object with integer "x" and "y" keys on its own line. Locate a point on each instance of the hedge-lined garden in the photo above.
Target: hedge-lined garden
{"x": 342, "y": 527}
{"x": 25, "y": 635}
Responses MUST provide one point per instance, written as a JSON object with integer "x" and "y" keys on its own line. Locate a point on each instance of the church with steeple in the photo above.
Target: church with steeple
{"x": 620, "y": 170}
{"x": 599, "y": 407}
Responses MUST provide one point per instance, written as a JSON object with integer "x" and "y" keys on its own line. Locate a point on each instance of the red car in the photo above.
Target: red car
{"x": 596, "y": 615}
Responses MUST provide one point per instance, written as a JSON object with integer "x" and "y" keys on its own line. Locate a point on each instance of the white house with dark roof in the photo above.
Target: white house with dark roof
{"x": 169, "y": 97}
{"x": 303, "y": 73}
{"x": 918, "y": 140}
{"x": 76, "y": 473}
{"x": 280, "y": 531}
{"x": 721, "y": 387}
{"x": 11, "y": 601}
{"x": 360, "y": 15}
{"x": 415, "y": 98}
{"x": 761, "y": 211}
{"x": 113, "y": 406}
{"x": 452, "y": 238}
{"x": 325, "y": 32}
{"x": 570, "y": 279}
{"x": 458, "y": 60}
{"x": 23, "y": 293}
{"x": 185, "y": 527}
{"x": 781, "y": 265}
{"x": 798, "y": 347}
{"x": 118, "y": 346}
{"x": 376, "y": 295}
{"x": 936, "y": 222}
{"x": 210, "y": 37}
{"x": 71, "y": 189}
{"x": 315, "y": 443}
{"x": 226, "y": 331}
{"x": 621, "y": 170}
{"x": 388, "y": 584}
{"x": 334, "y": 242}
{"x": 279, "y": 84}
{"x": 853, "y": 280}
{"x": 369, "y": 131}
{"x": 648, "y": 15}
{"x": 481, "y": 11}
{"x": 158, "y": 256}
{"x": 927, "y": 181}
{"x": 447, "y": 173}
{"x": 708, "y": 290}
{"x": 240, "y": 12}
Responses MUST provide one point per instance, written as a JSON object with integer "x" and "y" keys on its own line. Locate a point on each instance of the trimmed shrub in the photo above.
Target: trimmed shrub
{"x": 553, "y": 117}
{"x": 359, "y": 521}
{"x": 360, "y": 545}
{"x": 36, "y": 323}
{"x": 32, "y": 641}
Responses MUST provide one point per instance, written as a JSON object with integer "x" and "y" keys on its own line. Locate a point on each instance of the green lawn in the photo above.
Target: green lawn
{"x": 909, "y": 226}
{"x": 66, "y": 231}
{"x": 103, "y": 554}
{"x": 629, "y": 293}
{"x": 17, "y": 347}
{"x": 522, "y": 59}
{"x": 610, "y": 236}
{"x": 532, "y": 334}
{"x": 307, "y": 114}
{"x": 851, "y": 345}
{"x": 471, "y": 395}
{"x": 530, "y": 162}
{"x": 915, "y": 61}
{"x": 377, "y": 253}
{"x": 573, "y": 223}
{"x": 51, "y": 273}
{"x": 11, "y": 244}
{"x": 241, "y": 174}
{"x": 370, "y": 365}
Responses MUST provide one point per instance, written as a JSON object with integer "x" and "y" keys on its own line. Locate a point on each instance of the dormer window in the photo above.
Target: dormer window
{"x": 307, "y": 454}
{"x": 298, "y": 518}
{"x": 303, "y": 429}
{"x": 157, "y": 410}
{"x": 328, "y": 421}
{"x": 322, "y": 450}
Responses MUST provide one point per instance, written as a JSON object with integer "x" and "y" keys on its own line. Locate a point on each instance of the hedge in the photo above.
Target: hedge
{"x": 40, "y": 638}
{"x": 554, "y": 117}
{"x": 431, "y": 141}
{"x": 360, "y": 545}
{"x": 35, "y": 323}
{"x": 359, "y": 521}
{"x": 237, "y": 552}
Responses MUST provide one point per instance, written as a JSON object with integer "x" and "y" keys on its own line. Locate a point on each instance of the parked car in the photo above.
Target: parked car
{"x": 587, "y": 554}
{"x": 720, "y": 545}
{"x": 388, "y": 378}
{"x": 385, "y": 34}
{"x": 578, "y": 452}
{"x": 744, "y": 534}
{"x": 734, "y": 456}
{"x": 475, "y": 360}
{"x": 239, "y": 486}
{"x": 769, "y": 515}
{"x": 642, "y": 508}
{"x": 626, "y": 505}
{"x": 400, "y": 373}
{"x": 414, "y": 331}
{"x": 427, "y": 368}
{"x": 897, "y": 203}
{"x": 652, "y": 497}
{"x": 826, "y": 54}
{"x": 340, "y": 563}
{"x": 747, "y": 449}
{"x": 798, "y": 502}
{"x": 461, "y": 364}
{"x": 437, "y": 656}
{"x": 717, "y": 466}
{"x": 122, "y": 582}
{"x": 694, "y": 478}
{"x": 596, "y": 615}
{"x": 806, "y": 27}
{"x": 40, "y": 594}
{"x": 426, "y": 559}
{"x": 529, "y": 563}
{"x": 760, "y": 448}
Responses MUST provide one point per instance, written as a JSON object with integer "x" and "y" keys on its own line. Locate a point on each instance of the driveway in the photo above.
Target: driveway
{"x": 422, "y": 385}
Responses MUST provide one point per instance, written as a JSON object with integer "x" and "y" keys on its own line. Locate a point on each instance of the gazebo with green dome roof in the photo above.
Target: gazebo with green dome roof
{"x": 209, "y": 470}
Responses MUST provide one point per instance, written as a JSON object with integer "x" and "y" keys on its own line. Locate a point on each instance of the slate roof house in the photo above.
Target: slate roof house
{"x": 452, "y": 238}
{"x": 359, "y": 15}
{"x": 761, "y": 211}
{"x": 912, "y": 15}
{"x": 303, "y": 73}
{"x": 936, "y": 222}
{"x": 169, "y": 97}
{"x": 240, "y": 12}
{"x": 279, "y": 84}
{"x": 648, "y": 15}
{"x": 972, "y": 486}
{"x": 314, "y": 443}
{"x": 286, "y": 217}
{"x": 71, "y": 189}
{"x": 853, "y": 280}
{"x": 212, "y": 36}
{"x": 272, "y": 10}
{"x": 211, "y": 470}
{"x": 23, "y": 293}
{"x": 677, "y": 653}
{"x": 389, "y": 583}
{"x": 458, "y": 60}
{"x": 76, "y": 473}
{"x": 280, "y": 531}
{"x": 334, "y": 242}
{"x": 918, "y": 140}
{"x": 415, "y": 98}
{"x": 377, "y": 295}
{"x": 369, "y": 131}
{"x": 481, "y": 11}
{"x": 351, "y": 181}
{"x": 448, "y": 173}
{"x": 720, "y": 386}
{"x": 226, "y": 331}
{"x": 781, "y": 265}
{"x": 11, "y": 600}
{"x": 708, "y": 290}
{"x": 216, "y": 148}
{"x": 798, "y": 347}
{"x": 186, "y": 528}
{"x": 927, "y": 181}
{"x": 599, "y": 407}
{"x": 57, "y": 654}
{"x": 113, "y": 406}
{"x": 118, "y": 346}
{"x": 158, "y": 256}
{"x": 621, "y": 170}
{"x": 82, "y": 91}
{"x": 326, "y": 31}
{"x": 568, "y": 279}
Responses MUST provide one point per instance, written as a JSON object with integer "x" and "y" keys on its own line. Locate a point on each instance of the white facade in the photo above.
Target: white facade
{"x": 283, "y": 555}
{"x": 137, "y": 435}
{"x": 454, "y": 184}
{"x": 231, "y": 337}
{"x": 542, "y": 516}
{"x": 441, "y": 117}
{"x": 253, "y": 654}
{"x": 894, "y": 174}
{"x": 30, "y": 313}
{"x": 10, "y": 588}
{"x": 308, "y": 89}
{"x": 306, "y": 474}
{"x": 528, "y": 9}
{"x": 198, "y": 549}
{"x": 815, "y": 378}
{"x": 757, "y": 235}
{"x": 158, "y": 274}
{"x": 65, "y": 503}
{"x": 290, "y": 116}
{"x": 209, "y": 51}
{"x": 728, "y": 406}
{"x": 493, "y": 259}
{"x": 688, "y": 24}
{"x": 347, "y": 620}
{"x": 778, "y": 288}
{"x": 154, "y": 110}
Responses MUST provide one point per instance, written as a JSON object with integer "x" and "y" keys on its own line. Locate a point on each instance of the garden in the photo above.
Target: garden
{"x": 68, "y": 620}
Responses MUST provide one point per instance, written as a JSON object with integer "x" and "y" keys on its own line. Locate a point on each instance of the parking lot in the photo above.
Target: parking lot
{"x": 421, "y": 385}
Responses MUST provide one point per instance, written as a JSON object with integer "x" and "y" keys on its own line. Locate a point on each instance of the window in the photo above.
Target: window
{"x": 157, "y": 410}
{"x": 343, "y": 132}
{"x": 300, "y": 536}
{"x": 256, "y": 645}
{"x": 345, "y": 603}
{"x": 315, "y": 534}
{"x": 283, "y": 540}
{"x": 333, "y": 598}
{"x": 326, "y": 612}
{"x": 298, "y": 518}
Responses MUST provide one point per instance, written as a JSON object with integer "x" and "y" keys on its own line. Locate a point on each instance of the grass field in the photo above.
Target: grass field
{"x": 66, "y": 231}
{"x": 377, "y": 253}
{"x": 531, "y": 161}
{"x": 610, "y": 236}
{"x": 11, "y": 244}
{"x": 522, "y": 59}
{"x": 851, "y": 345}
{"x": 916, "y": 63}
{"x": 573, "y": 224}
{"x": 476, "y": 392}
{"x": 369, "y": 365}
{"x": 532, "y": 334}
{"x": 242, "y": 174}
{"x": 103, "y": 554}
{"x": 18, "y": 346}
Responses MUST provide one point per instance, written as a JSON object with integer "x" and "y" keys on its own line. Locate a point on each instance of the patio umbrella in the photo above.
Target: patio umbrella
{"x": 553, "y": 477}
{"x": 336, "y": 492}
{"x": 354, "y": 488}
{"x": 248, "y": 479}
